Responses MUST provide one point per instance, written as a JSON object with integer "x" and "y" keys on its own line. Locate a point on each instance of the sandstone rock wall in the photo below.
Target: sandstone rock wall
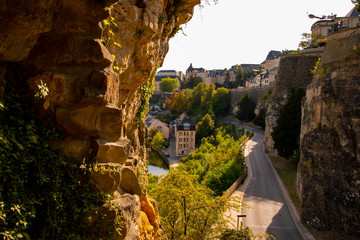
{"x": 255, "y": 93}
{"x": 294, "y": 72}
{"x": 96, "y": 58}
{"x": 330, "y": 135}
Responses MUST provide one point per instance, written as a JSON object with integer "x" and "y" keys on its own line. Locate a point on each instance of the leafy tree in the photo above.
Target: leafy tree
{"x": 239, "y": 76}
{"x": 198, "y": 98}
{"x": 286, "y": 133}
{"x": 198, "y": 94}
{"x": 204, "y": 128}
{"x": 259, "y": 120}
{"x": 227, "y": 83}
{"x": 221, "y": 177}
{"x": 152, "y": 132}
{"x": 357, "y": 3}
{"x": 192, "y": 82}
{"x": 242, "y": 234}
{"x": 187, "y": 209}
{"x": 218, "y": 158}
{"x": 305, "y": 41}
{"x": 178, "y": 102}
{"x": 246, "y": 111}
{"x": 169, "y": 84}
{"x": 221, "y": 101}
{"x": 206, "y": 102}
{"x": 158, "y": 141}
{"x": 309, "y": 40}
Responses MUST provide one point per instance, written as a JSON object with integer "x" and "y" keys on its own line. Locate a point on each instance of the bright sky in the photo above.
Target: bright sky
{"x": 244, "y": 31}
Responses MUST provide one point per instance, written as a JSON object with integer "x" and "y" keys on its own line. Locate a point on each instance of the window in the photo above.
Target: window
{"x": 180, "y": 133}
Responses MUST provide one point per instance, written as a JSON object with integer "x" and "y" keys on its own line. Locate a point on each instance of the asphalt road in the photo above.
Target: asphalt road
{"x": 269, "y": 212}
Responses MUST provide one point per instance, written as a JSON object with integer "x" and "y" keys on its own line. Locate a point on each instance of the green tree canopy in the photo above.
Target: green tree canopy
{"x": 286, "y": 133}
{"x": 192, "y": 82}
{"x": 187, "y": 209}
{"x": 259, "y": 120}
{"x": 204, "y": 128}
{"x": 221, "y": 101}
{"x": 239, "y": 76}
{"x": 158, "y": 141}
{"x": 246, "y": 111}
{"x": 357, "y": 3}
{"x": 206, "y": 103}
{"x": 169, "y": 84}
{"x": 178, "y": 102}
{"x": 197, "y": 99}
{"x": 152, "y": 132}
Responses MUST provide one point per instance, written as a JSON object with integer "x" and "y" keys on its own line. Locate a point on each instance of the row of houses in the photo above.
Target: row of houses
{"x": 183, "y": 129}
{"x": 267, "y": 70}
{"x": 265, "y": 73}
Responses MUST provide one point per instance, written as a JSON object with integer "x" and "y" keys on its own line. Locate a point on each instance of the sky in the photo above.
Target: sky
{"x": 244, "y": 31}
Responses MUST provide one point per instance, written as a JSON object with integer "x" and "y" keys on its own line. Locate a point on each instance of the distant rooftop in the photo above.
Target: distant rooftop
{"x": 191, "y": 68}
{"x": 167, "y": 71}
{"x": 273, "y": 55}
{"x": 353, "y": 13}
{"x": 186, "y": 124}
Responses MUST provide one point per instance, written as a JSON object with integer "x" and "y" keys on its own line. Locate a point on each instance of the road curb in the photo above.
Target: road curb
{"x": 305, "y": 234}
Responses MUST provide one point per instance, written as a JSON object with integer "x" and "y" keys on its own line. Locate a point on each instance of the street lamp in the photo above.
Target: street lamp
{"x": 239, "y": 216}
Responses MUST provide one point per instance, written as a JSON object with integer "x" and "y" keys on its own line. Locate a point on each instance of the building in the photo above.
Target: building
{"x": 269, "y": 68}
{"x": 250, "y": 68}
{"x": 154, "y": 123}
{"x": 272, "y": 60}
{"x": 185, "y": 131}
{"x": 215, "y": 76}
{"x": 165, "y": 74}
{"x": 328, "y": 24}
{"x": 264, "y": 78}
{"x": 272, "y": 75}
{"x": 251, "y": 82}
{"x": 195, "y": 72}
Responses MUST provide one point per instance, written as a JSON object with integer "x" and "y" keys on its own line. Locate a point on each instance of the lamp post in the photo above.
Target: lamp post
{"x": 239, "y": 216}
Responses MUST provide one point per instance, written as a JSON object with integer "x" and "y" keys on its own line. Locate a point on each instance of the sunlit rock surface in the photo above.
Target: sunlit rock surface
{"x": 94, "y": 56}
{"x": 330, "y": 163}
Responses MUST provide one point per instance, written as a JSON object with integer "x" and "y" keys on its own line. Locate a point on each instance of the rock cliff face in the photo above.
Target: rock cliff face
{"x": 330, "y": 135}
{"x": 97, "y": 58}
{"x": 294, "y": 72}
{"x": 255, "y": 93}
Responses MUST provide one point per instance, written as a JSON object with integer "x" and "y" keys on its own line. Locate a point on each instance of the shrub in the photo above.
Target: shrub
{"x": 259, "y": 120}
{"x": 322, "y": 42}
{"x": 222, "y": 177}
{"x": 43, "y": 195}
{"x": 232, "y": 234}
{"x": 246, "y": 110}
{"x": 287, "y": 131}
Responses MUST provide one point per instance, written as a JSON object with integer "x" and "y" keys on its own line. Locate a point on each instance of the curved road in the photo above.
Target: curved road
{"x": 269, "y": 212}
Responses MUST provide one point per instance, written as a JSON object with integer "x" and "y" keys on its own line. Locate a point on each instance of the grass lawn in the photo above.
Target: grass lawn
{"x": 286, "y": 168}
